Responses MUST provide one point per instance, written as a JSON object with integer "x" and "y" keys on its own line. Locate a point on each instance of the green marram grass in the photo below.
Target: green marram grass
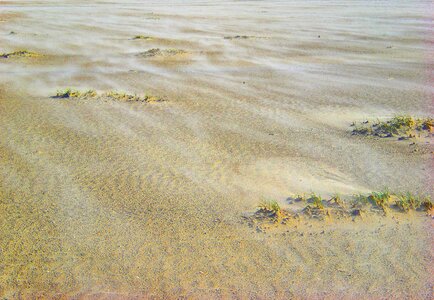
{"x": 70, "y": 93}
{"x": 270, "y": 206}
{"x": 19, "y": 53}
{"x": 397, "y": 126}
{"x": 380, "y": 199}
{"x": 316, "y": 201}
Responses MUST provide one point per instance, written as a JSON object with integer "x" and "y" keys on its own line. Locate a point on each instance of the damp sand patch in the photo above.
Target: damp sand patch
{"x": 270, "y": 214}
{"x": 107, "y": 96}
{"x": 20, "y": 54}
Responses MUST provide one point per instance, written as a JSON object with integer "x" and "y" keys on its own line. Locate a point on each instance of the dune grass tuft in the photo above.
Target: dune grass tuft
{"x": 20, "y": 53}
{"x": 270, "y": 206}
{"x": 142, "y": 37}
{"x": 408, "y": 201}
{"x": 397, "y": 126}
{"x": 121, "y": 96}
{"x": 316, "y": 201}
{"x": 161, "y": 52}
{"x": 380, "y": 199}
{"x": 71, "y": 93}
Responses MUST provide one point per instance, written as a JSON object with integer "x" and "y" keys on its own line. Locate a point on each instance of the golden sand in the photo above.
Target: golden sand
{"x": 123, "y": 199}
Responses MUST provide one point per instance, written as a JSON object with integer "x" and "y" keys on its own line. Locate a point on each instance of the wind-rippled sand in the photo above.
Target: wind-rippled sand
{"x": 110, "y": 199}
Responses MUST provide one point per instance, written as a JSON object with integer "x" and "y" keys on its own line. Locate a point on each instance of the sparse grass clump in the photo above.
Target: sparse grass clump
{"x": 300, "y": 198}
{"x": 316, "y": 201}
{"x": 270, "y": 212}
{"x": 408, "y": 201}
{"x": 401, "y": 126}
{"x": 161, "y": 52}
{"x": 20, "y": 53}
{"x": 381, "y": 199}
{"x": 142, "y": 37}
{"x": 121, "y": 96}
{"x": 112, "y": 95}
{"x": 70, "y": 93}
{"x": 237, "y": 37}
{"x": 336, "y": 198}
{"x": 427, "y": 204}
{"x": 270, "y": 206}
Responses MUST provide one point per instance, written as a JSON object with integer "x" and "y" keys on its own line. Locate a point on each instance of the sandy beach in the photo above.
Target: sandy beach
{"x": 107, "y": 199}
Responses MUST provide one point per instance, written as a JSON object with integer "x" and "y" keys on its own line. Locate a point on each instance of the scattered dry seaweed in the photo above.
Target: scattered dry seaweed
{"x": 401, "y": 126}
{"x": 111, "y": 95}
{"x": 20, "y": 53}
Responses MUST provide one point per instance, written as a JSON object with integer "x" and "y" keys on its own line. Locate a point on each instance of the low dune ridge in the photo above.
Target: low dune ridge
{"x": 124, "y": 200}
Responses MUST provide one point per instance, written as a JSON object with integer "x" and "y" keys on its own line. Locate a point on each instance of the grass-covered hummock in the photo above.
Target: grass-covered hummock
{"x": 381, "y": 199}
{"x": 69, "y": 93}
{"x": 142, "y": 37}
{"x": 270, "y": 206}
{"x": 400, "y": 126}
{"x": 20, "y": 53}
{"x": 161, "y": 52}
{"x": 238, "y": 37}
{"x": 121, "y": 96}
{"x": 357, "y": 206}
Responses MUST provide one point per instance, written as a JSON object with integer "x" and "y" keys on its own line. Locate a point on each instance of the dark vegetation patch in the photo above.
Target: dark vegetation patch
{"x": 142, "y": 37}
{"x": 404, "y": 127}
{"x": 238, "y": 37}
{"x": 161, "y": 52}
{"x": 20, "y": 53}
{"x": 111, "y": 95}
{"x": 314, "y": 207}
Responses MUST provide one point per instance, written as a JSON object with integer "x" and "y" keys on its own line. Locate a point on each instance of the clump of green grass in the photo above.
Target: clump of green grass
{"x": 397, "y": 126}
{"x": 300, "y": 198}
{"x": 20, "y": 53}
{"x": 237, "y": 37}
{"x": 359, "y": 200}
{"x": 70, "y": 93}
{"x": 270, "y": 206}
{"x": 142, "y": 37}
{"x": 381, "y": 199}
{"x": 427, "y": 204}
{"x": 159, "y": 52}
{"x": 336, "y": 198}
{"x": 425, "y": 124}
{"x": 316, "y": 201}
{"x": 121, "y": 96}
{"x": 408, "y": 201}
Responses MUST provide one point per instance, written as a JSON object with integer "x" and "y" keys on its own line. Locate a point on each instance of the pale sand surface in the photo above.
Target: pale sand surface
{"x": 110, "y": 200}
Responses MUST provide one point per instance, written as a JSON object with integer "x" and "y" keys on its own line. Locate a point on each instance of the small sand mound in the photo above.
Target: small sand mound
{"x": 112, "y": 95}
{"x": 161, "y": 52}
{"x": 20, "y": 53}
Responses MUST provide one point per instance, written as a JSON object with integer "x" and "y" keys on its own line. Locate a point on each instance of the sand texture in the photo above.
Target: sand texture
{"x": 136, "y": 199}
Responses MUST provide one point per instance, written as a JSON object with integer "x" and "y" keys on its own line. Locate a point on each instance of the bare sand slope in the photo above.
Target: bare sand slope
{"x": 105, "y": 199}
